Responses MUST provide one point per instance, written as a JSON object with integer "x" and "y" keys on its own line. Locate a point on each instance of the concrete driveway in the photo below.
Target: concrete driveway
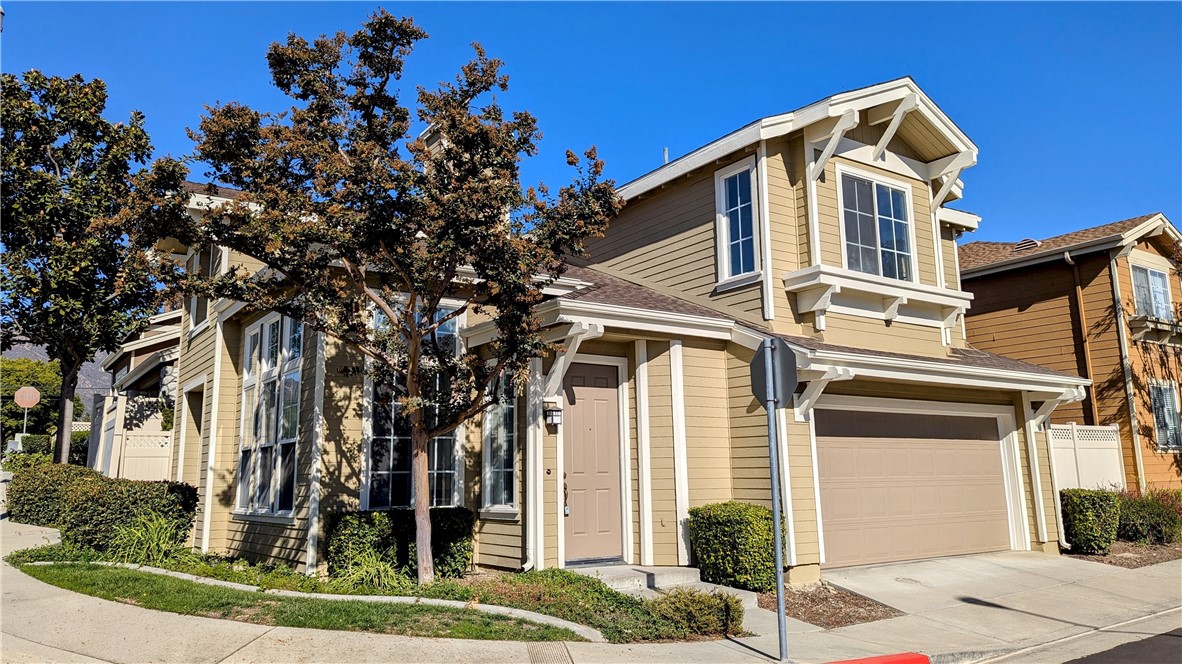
{"x": 1006, "y": 602}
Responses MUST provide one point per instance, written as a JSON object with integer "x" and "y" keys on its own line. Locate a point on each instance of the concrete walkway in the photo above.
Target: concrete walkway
{"x": 42, "y": 623}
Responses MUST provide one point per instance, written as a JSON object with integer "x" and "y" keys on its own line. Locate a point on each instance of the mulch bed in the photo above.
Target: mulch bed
{"x": 829, "y": 607}
{"x": 1132, "y": 556}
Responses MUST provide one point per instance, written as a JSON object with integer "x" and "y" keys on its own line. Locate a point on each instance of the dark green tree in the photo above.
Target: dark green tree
{"x": 81, "y": 211}
{"x": 18, "y": 372}
{"x": 367, "y": 229}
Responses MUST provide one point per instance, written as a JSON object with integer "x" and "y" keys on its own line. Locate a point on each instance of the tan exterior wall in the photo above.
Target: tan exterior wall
{"x": 707, "y": 428}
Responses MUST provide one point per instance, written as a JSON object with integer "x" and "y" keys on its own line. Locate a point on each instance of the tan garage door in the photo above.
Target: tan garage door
{"x": 904, "y": 492}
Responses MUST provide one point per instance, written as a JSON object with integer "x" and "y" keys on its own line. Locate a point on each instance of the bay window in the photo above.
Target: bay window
{"x": 272, "y": 349}
{"x": 1151, "y": 291}
{"x": 877, "y": 228}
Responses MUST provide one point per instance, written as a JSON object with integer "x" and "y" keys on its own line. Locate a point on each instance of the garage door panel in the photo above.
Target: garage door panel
{"x": 886, "y": 499}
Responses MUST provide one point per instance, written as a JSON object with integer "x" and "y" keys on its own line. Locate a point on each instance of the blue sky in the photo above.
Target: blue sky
{"x": 1076, "y": 108}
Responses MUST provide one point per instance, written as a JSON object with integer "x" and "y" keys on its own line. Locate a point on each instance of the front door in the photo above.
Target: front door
{"x": 591, "y": 463}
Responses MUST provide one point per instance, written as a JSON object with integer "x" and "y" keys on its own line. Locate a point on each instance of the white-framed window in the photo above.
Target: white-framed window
{"x": 736, "y": 227}
{"x": 269, "y": 430}
{"x": 389, "y": 463}
{"x": 1167, "y": 423}
{"x": 876, "y": 226}
{"x": 1151, "y": 292}
{"x": 206, "y": 261}
{"x": 500, "y": 450}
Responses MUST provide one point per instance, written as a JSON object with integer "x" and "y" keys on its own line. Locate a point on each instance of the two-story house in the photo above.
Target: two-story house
{"x": 825, "y": 226}
{"x": 1102, "y": 302}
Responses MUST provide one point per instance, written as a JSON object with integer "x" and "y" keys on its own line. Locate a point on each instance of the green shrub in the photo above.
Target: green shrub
{"x": 700, "y": 613}
{"x": 370, "y": 569}
{"x": 733, "y": 545}
{"x": 94, "y": 508}
{"x": 39, "y": 444}
{"x": 390, "y": 534}
{"x": 17, "y": 461}
{"x": 1090, "y": 519}
{"x": 57, "y": 553}
{"x": 150, "y": 539}
{"x": 36, "y": 494}
{"x": 1148, "y": 520}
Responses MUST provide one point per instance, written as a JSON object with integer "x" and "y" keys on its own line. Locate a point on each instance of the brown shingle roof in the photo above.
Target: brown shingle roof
{"x": 975, "y": 255}
{"x": 608, "y": 289}
{"x": 210, "y": 189}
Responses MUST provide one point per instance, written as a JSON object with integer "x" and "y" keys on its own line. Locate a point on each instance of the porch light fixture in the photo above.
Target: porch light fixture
{"x": 552, "y": 412}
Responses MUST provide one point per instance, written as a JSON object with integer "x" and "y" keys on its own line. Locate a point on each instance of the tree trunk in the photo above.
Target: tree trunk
{"x": 65, "y": 416}
{"x": 422, "y": 498}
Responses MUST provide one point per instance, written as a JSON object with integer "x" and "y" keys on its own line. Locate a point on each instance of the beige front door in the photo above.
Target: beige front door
{"x": 901, "y": 487}
{"x": 591, "y": 463}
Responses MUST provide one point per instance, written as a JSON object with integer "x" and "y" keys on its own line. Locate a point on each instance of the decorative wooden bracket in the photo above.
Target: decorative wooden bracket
{"x": 890, "y": 306}
{"x": 845, "y": 122}
{"x": 895, "y": 114}
{"x": 579, "y": 332}
{"x": 804, "y": 402}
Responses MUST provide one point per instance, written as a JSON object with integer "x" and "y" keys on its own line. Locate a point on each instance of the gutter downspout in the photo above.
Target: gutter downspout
{"x": 1126, "y": 366}
{"x": 1083, "y": 333}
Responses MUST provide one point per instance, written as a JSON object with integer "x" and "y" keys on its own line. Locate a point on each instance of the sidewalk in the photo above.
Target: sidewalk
{"x": 42, "y": 623}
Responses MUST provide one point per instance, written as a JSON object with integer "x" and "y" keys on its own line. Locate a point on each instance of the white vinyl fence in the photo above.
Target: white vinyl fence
{"x": 1087, "y": 457}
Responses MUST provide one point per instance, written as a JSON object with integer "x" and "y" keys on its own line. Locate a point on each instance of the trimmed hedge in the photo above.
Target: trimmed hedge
{"x": 88, "y": 507}
{"x": 1090, "y": 519}
{"x": 41, "y": 444}
{"x": 94, "y": 508}
{"x": 733, "y": 543}
{"x": 391, "y": 535}
{"x": 37, "y": 493}
{"x": 1149, "y": 519}
{"x": 700, "y": 613}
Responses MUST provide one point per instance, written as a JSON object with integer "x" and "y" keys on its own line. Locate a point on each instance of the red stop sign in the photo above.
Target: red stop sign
{"x": 27, "y": 397}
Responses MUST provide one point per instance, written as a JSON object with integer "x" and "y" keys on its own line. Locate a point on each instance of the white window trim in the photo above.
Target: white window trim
{"x": 367, "y": 416}
{"x": 877, "y": 178}
{"x": 196, "y": 327}
{"x": 283, "y": 366}
{"x": 1156, "y": 433}
{"x": 725, "y": 280}
{"x": 508, "y": 511}
{"x": 1151, "y": 266}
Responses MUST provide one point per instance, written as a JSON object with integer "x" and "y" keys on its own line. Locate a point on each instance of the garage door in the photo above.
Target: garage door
{"x": 906, "y": 486}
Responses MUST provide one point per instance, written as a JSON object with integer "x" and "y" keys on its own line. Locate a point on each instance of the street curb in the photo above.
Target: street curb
{"x": 968, "y": 656}
{"x": 591, "y": 634}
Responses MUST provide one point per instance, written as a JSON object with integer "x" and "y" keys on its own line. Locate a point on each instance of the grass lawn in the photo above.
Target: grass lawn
{"x": 163, "y": 593}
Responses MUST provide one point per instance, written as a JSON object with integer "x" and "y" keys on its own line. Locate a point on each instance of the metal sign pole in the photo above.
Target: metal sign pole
{"x": 773, "y": 448}
{"x": 25, "y": 428}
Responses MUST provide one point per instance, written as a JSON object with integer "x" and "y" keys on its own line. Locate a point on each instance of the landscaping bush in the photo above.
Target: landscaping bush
{"x": 391, "y": 535}
{"x": 37, "y": 492}
{"x": 94, "y": 508}
{"x": 733, "y": 545}
{"x": 17, "y": 461}
{"x": 1090, "y": 519}
{"x": 1149, "y": 519}
{"x": 700, "y": 613}
{"x": 79, "y": 444}
{"x": 150, "y": 539}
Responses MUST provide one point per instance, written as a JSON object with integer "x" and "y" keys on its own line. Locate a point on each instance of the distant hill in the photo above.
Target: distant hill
{"x": 91, "y": 378}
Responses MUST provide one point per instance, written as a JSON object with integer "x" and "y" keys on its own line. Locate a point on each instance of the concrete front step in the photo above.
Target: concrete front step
{"x": 649, "y": 581}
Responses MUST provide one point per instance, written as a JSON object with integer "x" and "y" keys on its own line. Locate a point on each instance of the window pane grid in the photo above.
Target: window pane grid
{"x": 739, "y": 211}
{"x": 268, "y": 454}
{"x": 1151, "y": 293}
{"x": 1166, "y": 416}
{"x": 877, "y": 228}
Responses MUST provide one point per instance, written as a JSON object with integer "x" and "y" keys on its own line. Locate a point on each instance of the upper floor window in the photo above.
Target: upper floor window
{"x": 736, "y": 227}
{"x": 390, "y": 445}
{"x": 206, "y": 261}
{"x": 877, "y": 228}
{"x": 270, "y": 415}
{"x": 1165, "y": 414}
{"x": 1151, "y": 289}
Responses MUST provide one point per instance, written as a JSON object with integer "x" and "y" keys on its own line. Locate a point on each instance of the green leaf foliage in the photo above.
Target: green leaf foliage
{"x": 733, "y": 543}
{"x": 94, "y": 510}
{"x": 1153, "y": 518}
{"x": 700, "y": 613}
{"x": 361, "y": 538}
{"x": 37, "y": 493}
{"x": 18, "y": 372}
{"x": 1090, "y": 519}
{"x": 80, "y": 211}
{"x": 79, "y": 446}
{"x": 359, "y": 215}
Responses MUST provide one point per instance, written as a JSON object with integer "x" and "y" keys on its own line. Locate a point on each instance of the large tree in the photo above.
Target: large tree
{"x": 367, "y": 230}
{"x": 80, "y": 214}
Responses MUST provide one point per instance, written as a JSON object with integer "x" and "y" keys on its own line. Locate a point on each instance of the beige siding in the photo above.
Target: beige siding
{"x": 706, "y": 422}
{"x": 898, "y": 337}
{"x": 667, "y": 238}
{"x": 660, "y": 403}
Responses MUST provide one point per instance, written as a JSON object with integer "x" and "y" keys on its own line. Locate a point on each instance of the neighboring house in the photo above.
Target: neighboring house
{"x": 1102, "y": 302}
{"x": 132, "y": 432}
{"x": 825, "y": 226}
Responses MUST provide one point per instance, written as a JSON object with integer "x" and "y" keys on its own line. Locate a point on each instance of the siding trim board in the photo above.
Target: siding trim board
{"x": 644, "y": 445}
{"x": 318, "y": 428}
{"x": 211, "y": 451}
{"x": 680, "y": 467}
